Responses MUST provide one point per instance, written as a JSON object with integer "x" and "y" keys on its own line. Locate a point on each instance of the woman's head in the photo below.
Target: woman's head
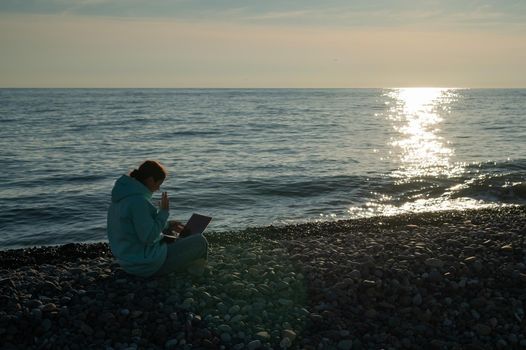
{"x": 151, "y": 174}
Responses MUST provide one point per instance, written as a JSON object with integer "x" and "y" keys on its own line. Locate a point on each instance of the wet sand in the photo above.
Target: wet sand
{"x": 449, "y": 280}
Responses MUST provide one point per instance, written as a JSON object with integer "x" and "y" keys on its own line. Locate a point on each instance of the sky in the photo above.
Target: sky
{"x": 263, "y": 44}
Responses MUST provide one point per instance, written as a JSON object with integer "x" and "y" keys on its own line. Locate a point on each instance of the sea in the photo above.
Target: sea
{"x": 255, "y": 157}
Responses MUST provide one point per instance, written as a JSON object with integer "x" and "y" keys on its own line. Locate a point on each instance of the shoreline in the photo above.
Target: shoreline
{"x": 91, "y": 249}
{"x": 449, "y": 279}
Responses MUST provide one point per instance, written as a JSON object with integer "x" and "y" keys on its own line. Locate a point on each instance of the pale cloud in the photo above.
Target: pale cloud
{"x": 483, "y": 18}
{"x": 281, "y": 15}
{"x": 71, "y": 7}
{"x": 332, "y": 13}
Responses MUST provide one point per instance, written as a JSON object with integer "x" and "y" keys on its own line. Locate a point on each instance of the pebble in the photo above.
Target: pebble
{"x": 417, "y": 299}
{"x": 36, "y": 314}
{"x": 226, "y": 337}
{"x": 369, "y": 283}
{"x": 438, "y": 344}
{"x": 49, "y": 307}
{"x": 482, "y": 329}
{"x": 46, "y": 324}
{"x": 508, "y": 248}
{"x": 280, "y": 285}
{"x": 371, "y": 313}
{"x": 289, "y": 333}
{"x": 285, "y": 302}
{"x": 345, "y": 344}
{"x": 34, "y": 303}
{"x": 435, "y": 276}
{"x": 234, "y": 309}
{"x": 170, "y": 344}
{"x": 285, "y": 343}
{"x": 263, "y": 335}
{"x": 236, "y": 318}
{"x": 355, "y": 274}
{"x": 208, "y": 344}
{"x": 124, "y": 312}
{"x": 254, "y": 344}
{"x": 188, "y": 302}
{"x": 501, "y": 344}
{"x": 434, "y": 262}
{"x": 86, "y": 329}
{"x": 224, "y": 328}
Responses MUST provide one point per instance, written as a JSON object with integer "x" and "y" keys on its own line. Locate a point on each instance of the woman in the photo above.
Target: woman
{"x": 135, "y": 227}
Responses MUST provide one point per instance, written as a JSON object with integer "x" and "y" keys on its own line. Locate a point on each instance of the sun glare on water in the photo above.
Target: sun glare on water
{"x": 421, "y": 153}
{"x": 416, "y": 114}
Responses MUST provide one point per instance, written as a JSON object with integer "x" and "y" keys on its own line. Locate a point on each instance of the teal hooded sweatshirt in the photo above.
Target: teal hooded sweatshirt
{"x": 134, "y": 228}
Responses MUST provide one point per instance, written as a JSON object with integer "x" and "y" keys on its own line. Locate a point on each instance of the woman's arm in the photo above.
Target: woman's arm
{"x": 147, "y": 226}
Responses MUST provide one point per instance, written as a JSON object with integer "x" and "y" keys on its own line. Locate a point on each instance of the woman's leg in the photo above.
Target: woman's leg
{"x": 183, "y": 252}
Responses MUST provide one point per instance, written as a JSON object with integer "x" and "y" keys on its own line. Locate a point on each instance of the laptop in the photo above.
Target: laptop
{"x": 195, "y": 225}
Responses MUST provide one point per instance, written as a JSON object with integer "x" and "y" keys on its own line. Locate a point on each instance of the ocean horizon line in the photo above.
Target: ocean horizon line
{"x": 262, "y": 88}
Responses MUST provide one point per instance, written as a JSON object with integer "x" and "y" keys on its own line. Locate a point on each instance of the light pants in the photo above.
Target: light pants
{"x": 182, "y": 252}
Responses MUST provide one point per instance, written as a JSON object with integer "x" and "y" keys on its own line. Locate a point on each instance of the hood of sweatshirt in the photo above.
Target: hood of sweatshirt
{"x": 127, "y": 186}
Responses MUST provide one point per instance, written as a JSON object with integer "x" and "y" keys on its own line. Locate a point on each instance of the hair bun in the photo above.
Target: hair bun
{"x": 149, "y": 168}
{"x": 134, "y": 173}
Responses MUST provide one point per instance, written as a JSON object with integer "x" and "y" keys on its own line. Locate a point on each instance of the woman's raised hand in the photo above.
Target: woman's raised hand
{"x": 165, "y": 202}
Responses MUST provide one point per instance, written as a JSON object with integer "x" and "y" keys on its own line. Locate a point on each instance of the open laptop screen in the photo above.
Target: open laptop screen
{"x": 195, "y": 225}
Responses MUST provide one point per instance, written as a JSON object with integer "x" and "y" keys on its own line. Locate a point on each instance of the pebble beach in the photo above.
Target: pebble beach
{"x": 442, "y": 280}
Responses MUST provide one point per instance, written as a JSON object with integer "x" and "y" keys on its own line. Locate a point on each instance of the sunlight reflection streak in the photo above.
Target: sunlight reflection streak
{"x": 422, "y": 156}
{"x": 415, "y": 114}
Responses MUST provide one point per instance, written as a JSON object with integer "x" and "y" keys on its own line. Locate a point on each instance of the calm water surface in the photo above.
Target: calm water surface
{"x": 255, "y": 157}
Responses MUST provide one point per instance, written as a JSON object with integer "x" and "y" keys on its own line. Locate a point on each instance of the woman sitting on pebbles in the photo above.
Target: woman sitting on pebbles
{"x": 135, "y": 227}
